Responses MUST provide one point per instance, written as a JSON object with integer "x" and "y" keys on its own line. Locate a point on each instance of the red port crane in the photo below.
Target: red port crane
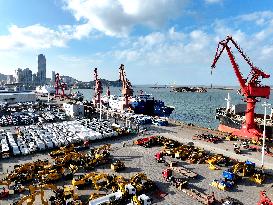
{"x": 264, "y": 199}
{"x": 127, "y": 90}
{"x": 59, "y": 85}
{"x": 251, "y": 88}
{"x": 108, "y": 93}
{"x": 98, "y": 88}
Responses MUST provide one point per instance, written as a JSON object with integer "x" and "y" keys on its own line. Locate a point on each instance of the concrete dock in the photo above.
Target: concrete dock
{"x": 139, "y": 159}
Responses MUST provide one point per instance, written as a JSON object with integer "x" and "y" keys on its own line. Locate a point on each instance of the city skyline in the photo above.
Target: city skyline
{"x": 158, "y": 41}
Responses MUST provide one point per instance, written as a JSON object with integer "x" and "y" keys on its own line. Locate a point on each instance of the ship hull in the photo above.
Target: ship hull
{"x": 141, "y": 104}
{"x": 229, "y": 125}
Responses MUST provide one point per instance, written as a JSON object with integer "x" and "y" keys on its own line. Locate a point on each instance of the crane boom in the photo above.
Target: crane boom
{"x": 224, "y": 45}
{"x": 127, "y": 90}
{"x": 98, "y": 88}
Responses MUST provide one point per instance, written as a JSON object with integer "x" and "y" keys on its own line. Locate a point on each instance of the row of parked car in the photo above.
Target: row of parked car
{"x": 15, "y": 119}
{"x": 145, "y": 119}
{"x": 34, "y": 138}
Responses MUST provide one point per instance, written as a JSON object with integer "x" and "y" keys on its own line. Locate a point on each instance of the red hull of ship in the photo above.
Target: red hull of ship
{"x": 242, "y": 133}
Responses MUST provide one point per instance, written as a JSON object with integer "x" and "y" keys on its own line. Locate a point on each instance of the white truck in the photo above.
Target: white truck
{"x": 142, "y": 199}
{"x": 108, "y": 198}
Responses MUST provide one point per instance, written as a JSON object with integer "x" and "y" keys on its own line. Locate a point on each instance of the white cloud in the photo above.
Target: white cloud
{"x": 33, "y": 37}
{"x": 213, "y": 1}
{"x": 113, "y": 18}
{"x": 118, "y": 17}
{"x": 171, "y": 47}
{"x": 191, "y": 53}
{"x": 260, "y": 18}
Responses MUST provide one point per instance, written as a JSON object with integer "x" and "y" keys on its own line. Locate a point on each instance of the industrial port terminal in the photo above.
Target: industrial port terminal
{"x": 125, "y": 149}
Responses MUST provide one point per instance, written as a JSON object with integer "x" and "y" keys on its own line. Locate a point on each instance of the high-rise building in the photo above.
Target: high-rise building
{"x": 10, "y": 79}
{"x": 22, "y": 76}
{"x": 27, "y": 77}
{"x": 41, "y": 75}
{"x": 53, "y": 77}
{"x": 18, "y": 75}
{"x": 34, "y": 79}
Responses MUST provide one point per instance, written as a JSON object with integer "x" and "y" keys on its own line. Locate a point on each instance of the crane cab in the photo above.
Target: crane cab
{"x": 259, "y": 91}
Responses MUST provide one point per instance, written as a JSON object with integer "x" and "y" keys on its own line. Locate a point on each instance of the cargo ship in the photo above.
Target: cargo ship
{"x": 140, "y": 104}
{"x": 232, "y": 117}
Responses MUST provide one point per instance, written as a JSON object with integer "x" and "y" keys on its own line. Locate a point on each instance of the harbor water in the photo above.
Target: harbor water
{"x": 196, "y": 108}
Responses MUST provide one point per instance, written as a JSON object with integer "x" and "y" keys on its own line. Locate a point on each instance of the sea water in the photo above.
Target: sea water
{"x": 196, "y": 108}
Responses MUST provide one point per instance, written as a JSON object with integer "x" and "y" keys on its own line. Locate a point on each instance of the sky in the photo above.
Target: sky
{"x": 158, "y": 41}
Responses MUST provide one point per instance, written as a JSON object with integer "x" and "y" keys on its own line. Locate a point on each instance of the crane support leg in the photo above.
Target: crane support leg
{"x": 250, "y": 106}
{"x": 249, "y": 129}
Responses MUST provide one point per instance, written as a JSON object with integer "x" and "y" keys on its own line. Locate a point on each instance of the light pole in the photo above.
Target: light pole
{"x": 100, "y": 111}
{"x": 265, "y": 105}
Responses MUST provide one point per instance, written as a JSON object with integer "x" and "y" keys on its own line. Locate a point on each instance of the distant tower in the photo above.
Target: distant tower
{"x": 10, "y": 79}
{"x": 41, "y": 75}
{"x": 53, "y": 77}
{"x": 27, "y": 77}
{"x": 34, "y": 79}
{"x": 18, "y": 75}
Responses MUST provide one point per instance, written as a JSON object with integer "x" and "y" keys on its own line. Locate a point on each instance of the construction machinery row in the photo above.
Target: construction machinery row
{"x": 67, "y": 163}
{"x": 170, "y": 148}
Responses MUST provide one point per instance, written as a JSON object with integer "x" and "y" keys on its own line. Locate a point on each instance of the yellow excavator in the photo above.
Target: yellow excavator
{"x": 247, "y": 169}
{"x": 65, "y": 194}
{"x": 243, "y": 169}
{"x": 34, "y": 191}
{"x": 115, "y": 181}
{"x": 213, "y": 160}
{"x": 258, "y": 177}
{"x": 69, "y": 157}
{"x": 140, "y": 182}
{"x": 69, "y": 192}
{"x": 52, "y": 175}
{"x": 117, "y": 165}
{"x": 96, "y": 180}
{"x": 62, "y": 151}
{"x": 102, "y": 148}
{"x": 29, "y": 199}
{"x": 141, "y": 200}
{"x": 183, "y": 152}
{"x": 81, "y": 180}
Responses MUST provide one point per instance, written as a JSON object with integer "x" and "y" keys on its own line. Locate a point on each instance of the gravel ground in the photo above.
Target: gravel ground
{"x": 139, "y": 159}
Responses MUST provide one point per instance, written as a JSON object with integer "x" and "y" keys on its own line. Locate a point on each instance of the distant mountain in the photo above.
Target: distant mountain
{"x": 115, "y": 83}
{"x": 91, "y": 84}
{"x": 3, "y": 77}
